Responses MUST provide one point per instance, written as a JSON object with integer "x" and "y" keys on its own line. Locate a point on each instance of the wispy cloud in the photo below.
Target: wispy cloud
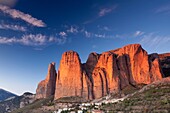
{"x": 12, "y": 27}
{"x": 73, "y": 29}
{"x": 106, "y": 10}
{"x": 16, "y": 14}
{"x": 33, "y": 40}
{"x": 104, "y": 28}
{"x": 97, "y": 35}
{"x": 90, "y": 20}
{"x": 135, "y": 34}
{"x": 155, "y": 41}
{"x": 63, "y": 34}
{"x": 9, "y": 3}
{"x": 163, "y": 9}
{"x": 138, "y": 33}
{"x": 101, "y": 13}
{"x": 87, "y": 34}
{"x": 100, "y": 35}
{"x": 94, "y": 46}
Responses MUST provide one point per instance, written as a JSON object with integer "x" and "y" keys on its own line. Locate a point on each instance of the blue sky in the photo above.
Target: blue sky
{"x": 34, "y": 33}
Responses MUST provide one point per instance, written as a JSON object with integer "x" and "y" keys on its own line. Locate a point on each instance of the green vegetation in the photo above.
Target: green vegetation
{"x": 156, "y": 99}
{"x": 36, "y": 104}
{"x": 131, "y": 89}
{"x": 72, "y": 99}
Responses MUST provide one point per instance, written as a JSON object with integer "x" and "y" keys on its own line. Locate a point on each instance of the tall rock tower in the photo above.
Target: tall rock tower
{"x": 46, "y": 88}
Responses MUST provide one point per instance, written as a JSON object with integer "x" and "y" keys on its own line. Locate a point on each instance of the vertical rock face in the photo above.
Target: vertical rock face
{"x": 105, "y": 78}
{"x": 119, "y": 68}
{"x": 88, "y": 68}
{"x": 165, "y": 63}
{"x": 155, "y": 67}
{"x": 87, "y": 89}
{"x": 137, "y": 60}
{"x": 91, "y": 62}
{"x": 124, "y": 71}
{"x": 46, "y": 87}
{"x": 69, "y": 79}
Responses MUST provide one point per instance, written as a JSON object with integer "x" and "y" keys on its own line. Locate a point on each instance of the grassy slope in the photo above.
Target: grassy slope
{"x": 35, "y": 105}
{"x": 154, "y": 99}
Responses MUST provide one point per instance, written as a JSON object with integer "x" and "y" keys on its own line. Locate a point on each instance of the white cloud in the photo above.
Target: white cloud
{"x": 87, "y": 34}
{"x": 38, "y": 39}
{"x": 63, "y": 34}
{"x": 12, "y": 27}
{"x": 155, "y": 41}
{"x": 33, "y": 40}
{"x": 73, "y": 29}
{"x": 163, "y": 9}
{"x": 4, "y": 40}
{"x": 9, "y": 3}
{"x": 97, "y": 35}
{"x": 105, "y": 11}
{"x": 16, "y": 14}
{"x": 138, "y": 33}
{"x": 104, "y": 28}
{"x": 100, "y": 35}
{"x": 94, "y": 46}
{"x": 102, "y": 12}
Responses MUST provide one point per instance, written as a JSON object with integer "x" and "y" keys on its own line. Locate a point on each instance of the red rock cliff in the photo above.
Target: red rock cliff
{"x": 69, "y": 79}
{"x": 46, "y": 87}
{"x": 102, "y": 74}
{"x": 165, "y": 63}
{"x": 105, "y": 77}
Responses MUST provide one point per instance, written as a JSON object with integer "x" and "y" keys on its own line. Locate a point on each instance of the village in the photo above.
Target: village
{"x": 91, "y": 107}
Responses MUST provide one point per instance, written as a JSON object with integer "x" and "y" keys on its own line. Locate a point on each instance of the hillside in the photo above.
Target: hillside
{"x": 151, "y": 98}
{"x": 16, "y": 102}
{"x": 5, "y": 94}
{"x": 154, "y": 97}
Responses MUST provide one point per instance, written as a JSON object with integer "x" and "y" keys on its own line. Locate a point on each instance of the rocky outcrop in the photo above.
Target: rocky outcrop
{"x": 13, "y": 103}
{"x": 69, "y": 79}
{"x": 91, "y": 62}
{"x": 102, "y": 74}
{"x": 27, "y": 98}
{"x": 129, "y": 65}
{"x": 165, "y": 63}
{"x": 46, "y": 88}
{"x": 105, "y": 78}
{"x": 137, "y": 62}
{"x": 141, "y": 68}
{"x": 155, "y": 67}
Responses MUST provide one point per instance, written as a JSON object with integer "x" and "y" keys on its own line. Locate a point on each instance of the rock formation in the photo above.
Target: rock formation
{"x": 102, "y": 74}
{"x": 165, "y": 63}
{"x": 46, "y": 88}
{"x": 155, "y": 67}
{"x": 69, "y": 79}
{"x": 105, "y": 79}
{"x": 136, "y": 61}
